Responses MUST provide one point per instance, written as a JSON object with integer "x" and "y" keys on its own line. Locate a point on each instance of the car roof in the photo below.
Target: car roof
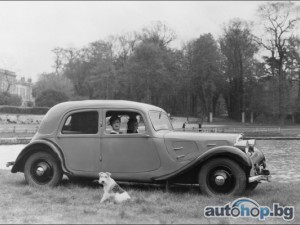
{"x": 73, "y": 105}
{"x": 53, "y": 117}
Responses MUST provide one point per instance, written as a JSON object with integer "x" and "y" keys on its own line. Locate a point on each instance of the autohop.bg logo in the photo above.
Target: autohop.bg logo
{"x": 246, "y": 207}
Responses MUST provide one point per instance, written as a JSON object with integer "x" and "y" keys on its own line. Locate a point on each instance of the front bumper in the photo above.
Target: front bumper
{"x": 259, "y": 178}
{"x": 258, "y": 171}
{"x": 265, "y": 176}
{"x": 8, "y": 164}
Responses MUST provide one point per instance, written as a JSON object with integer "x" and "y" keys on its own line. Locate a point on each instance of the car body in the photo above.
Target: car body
{"x": 75, "y": 139}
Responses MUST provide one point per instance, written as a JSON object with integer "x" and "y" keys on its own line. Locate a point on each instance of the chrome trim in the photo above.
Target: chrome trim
{"x": 220, "y": 180}
{"x": 259, "y": 178}
{"x": 180, "y": 156}
{"x": 240, "y": 137}
{"x": 40, "y": 171}
{"x": 252, "y": 142}
{"x": 8, "y": 164}
{"x": 211, "y": 145}
{"x": 243, "y": 145}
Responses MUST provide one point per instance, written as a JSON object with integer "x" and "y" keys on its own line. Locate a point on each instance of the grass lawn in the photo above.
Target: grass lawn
{"x": 79, "y": 203}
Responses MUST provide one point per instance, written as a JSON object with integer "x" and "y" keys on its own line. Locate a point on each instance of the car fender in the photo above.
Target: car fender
{"x": 220, "y": 151}
{"x": 31, "y": 147}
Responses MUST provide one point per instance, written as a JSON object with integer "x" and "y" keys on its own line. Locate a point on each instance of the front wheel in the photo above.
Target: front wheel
{"x": 42, "y": 169}
{"x": 222, "y": 176}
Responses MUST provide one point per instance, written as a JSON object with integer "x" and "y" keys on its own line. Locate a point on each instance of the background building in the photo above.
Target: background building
{"x": 22, "y": 88}
{"x": 7, "y": 81}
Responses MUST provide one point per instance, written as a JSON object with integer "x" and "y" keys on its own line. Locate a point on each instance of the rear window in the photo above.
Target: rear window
{"x": 81, "y": 123}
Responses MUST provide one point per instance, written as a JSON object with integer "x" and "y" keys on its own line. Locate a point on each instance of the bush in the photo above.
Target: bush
{"x": 7, "y": 98}
{"x": 79, "y": 98}
{"x": 50, "y": 98}
{"x": 30, "y": 104}
{"x": 297, "y": 117}
{"x": 24, "y": 110}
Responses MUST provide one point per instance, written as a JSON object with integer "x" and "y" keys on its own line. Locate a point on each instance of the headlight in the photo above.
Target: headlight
{"x": 240, "y": 137}
{"x": 252, "y": 143}
{"x": 243, "y": 145}
{"x": 246, "y": 145}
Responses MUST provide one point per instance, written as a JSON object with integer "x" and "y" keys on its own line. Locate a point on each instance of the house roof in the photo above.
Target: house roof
{"x": 7, "y": 72}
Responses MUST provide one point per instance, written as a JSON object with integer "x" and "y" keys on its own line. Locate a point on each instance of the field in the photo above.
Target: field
{"x": 79, "y": 203}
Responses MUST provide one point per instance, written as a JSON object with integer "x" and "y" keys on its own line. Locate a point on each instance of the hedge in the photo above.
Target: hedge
{"x": 24, "y": 110}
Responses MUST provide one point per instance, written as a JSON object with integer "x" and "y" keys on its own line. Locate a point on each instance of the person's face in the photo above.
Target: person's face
{"x": 116, "y": 125}
{"x": 133, "y": 126}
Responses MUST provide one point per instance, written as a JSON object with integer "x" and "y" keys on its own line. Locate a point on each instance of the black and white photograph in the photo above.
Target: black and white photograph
{"x": 149, "y": 112}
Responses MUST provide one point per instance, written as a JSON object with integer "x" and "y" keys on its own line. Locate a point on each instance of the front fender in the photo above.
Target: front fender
{"x": 33, "y": 147}
{"x": 220, "y": 151}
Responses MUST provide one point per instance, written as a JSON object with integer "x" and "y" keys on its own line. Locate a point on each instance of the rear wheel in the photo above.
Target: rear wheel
{"x": 42, "y": 169}
{"x": 222, "y": 176}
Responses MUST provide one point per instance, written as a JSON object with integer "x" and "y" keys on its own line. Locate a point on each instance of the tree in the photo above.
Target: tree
{"x": 54, "y": 82}
{"x": 158, "y": 33}
{"x": 122, "y": 48}
{"x": 68, "y": 63}
{"x": 293, "y": 54}
{"x": 151, "y": 68}
{"x": 101, "y": 72}
{"x": 62, "y": 58}
{"x": 49, "y": 98}
{"x": 147, "y": 67}
{"x": 279, "y": 20}
{"x": 125, "y": 48}
{"x": 90, "y": 69}
{"x": 204, "y": 72}
{"x": 238, "y": 47}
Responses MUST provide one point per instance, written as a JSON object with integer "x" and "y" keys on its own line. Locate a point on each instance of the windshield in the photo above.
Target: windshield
{"x": 160, "y": 120}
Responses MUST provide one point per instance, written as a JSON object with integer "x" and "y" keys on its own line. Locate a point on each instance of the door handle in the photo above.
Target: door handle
{"x": 179, "y": 148}
{"x": 180, "y": 156}
{"x": 211, "y": 144}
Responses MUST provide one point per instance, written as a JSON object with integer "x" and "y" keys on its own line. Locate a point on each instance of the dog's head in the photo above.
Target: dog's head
{"x": 104, "y": 178}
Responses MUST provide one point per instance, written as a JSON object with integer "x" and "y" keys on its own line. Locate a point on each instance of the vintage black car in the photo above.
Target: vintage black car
{"x": 75, "y": 139}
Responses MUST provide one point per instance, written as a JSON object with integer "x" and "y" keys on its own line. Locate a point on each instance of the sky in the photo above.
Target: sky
{"x": 30, "y": 30}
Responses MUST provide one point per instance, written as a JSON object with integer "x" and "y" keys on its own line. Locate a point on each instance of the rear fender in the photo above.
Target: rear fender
{"x": 222, "y": 151}
{"x": 39, "y": 145}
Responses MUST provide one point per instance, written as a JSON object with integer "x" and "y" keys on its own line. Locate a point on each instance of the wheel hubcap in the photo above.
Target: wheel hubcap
{"x": 220, "y": 177}
{"x": 42, "y": 172}
{"x": 220, "y": 180}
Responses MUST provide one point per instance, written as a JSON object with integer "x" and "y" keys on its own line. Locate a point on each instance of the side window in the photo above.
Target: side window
{"x": 81, "y": 123}
{"x": 124, "y": 122}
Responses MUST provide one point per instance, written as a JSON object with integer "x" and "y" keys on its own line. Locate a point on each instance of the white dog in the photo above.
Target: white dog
{"x": 111, "y": 189}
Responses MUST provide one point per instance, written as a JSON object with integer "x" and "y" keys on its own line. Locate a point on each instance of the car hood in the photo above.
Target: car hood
{"x": 193, "y": 136}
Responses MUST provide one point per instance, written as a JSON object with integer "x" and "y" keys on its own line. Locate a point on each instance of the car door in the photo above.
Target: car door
{"x": 128, "y": 153}
{"x": 79, "y": 139}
